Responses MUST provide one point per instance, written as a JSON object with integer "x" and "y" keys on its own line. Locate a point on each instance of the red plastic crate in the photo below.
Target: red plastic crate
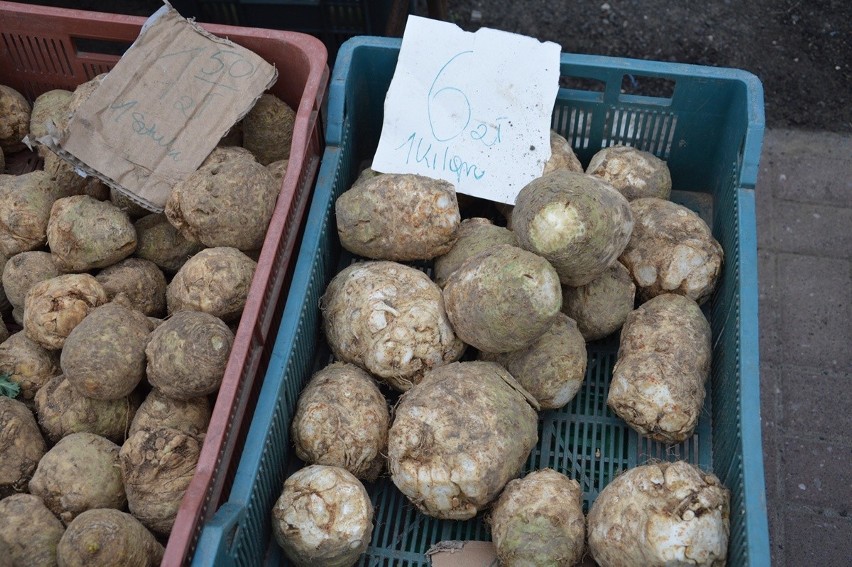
{"x": 45, "y": 48}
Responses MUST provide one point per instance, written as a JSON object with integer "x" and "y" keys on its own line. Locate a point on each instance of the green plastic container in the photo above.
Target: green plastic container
{"x": 710, "y": 131}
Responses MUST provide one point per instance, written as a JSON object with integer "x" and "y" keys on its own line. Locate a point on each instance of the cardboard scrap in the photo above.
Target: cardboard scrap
{"x": 162, "y": 109}
{"x": 463, "y": 554}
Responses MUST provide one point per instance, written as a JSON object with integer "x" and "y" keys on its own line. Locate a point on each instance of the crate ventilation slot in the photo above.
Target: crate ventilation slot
{"x": 44, "y": 55}
{"x": 574, "y": 125}
{"x": 649, "y": 131}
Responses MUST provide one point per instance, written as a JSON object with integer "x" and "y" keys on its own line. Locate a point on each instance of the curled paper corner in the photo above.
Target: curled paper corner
{"x": 453, "y": 553}
{"x": 450, "y": 546}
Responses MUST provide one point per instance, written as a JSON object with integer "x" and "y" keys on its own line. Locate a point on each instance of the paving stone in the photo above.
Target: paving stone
{"x": 776, "y": 538}
{"x": 818, "y": 230}
{"x": 814, "y": 297}
{"x": 816, "y": 473}
{"x": 814, "y": 402}
{"x": 814, "y": 539}
{"x": 811, "y": 167}
{"x": 764, "y": 202}
{"x": 804, "y": 212}
{"x": 771, "y": 430}
{"x": 768, "y": 306}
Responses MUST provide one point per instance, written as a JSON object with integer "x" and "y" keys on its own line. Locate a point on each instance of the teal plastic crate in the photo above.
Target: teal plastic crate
{"x": 710, "y": 131}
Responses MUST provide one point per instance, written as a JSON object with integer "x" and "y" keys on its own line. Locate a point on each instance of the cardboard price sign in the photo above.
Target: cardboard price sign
{"x": 463, "y": 554}
{"x": 470, "y": 108}
{"x": 163, "y": 108}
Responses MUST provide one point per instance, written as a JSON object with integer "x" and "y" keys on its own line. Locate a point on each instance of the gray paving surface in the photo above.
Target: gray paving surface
{"x": 804, "y": 224}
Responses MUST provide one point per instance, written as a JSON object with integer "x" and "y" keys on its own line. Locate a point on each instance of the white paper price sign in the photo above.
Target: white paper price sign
{"x": 470, "y": 108}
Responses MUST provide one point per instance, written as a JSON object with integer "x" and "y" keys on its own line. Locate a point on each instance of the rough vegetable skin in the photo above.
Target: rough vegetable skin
{"x": 634, "y": 173}
{"x": 663, "y": 363}
{"x": 389, "y": 319}
{"x": 225, "y": 204}
{"x": 459, "y": 436}
{"x": 552, "y": 368}
{"x": 54, "y": 307}
{"x": 399, "y": 217}
{"x": 221, "y": 154}
{"x": 27, "y": 363}
{"x": 160, "y": 242}
{"x": 106, "y": 537}
{"x": 502, "y": 299}
{"x": 187, "y": 354}
{"x": 92, "y": 363}
{"x": 30, "y": 530}
{"x": 69, "y": 182}
{"x": 5, "y": 305}
{"x": 268, "y": 129}
{"x": 323, "y": 517}
{"x": 215, "y": 281}
{"x": 52, "y": 106}
{"x": 137, "y": 284}
{"x": 25, "y": 204}
{"x": 127, "y": 205}
{"x": 21, "y": 446}
{"x": 342, "y": 420}
{"x": 538, "y": 520}
{"x": 474, "y": 236}
{"x": 278, "y": 169}
{"x": 672, "y": 250}
{"x": 157, "y": 410}
{"x": 601, "y": 306}
{"x": 79, "y": 473}
{"x": 157, "y": 466}
{"x": 84, "y": 233}
{"x": 661, "y": 515}
{"x": 578, "y": 222}
{"x": 562, "y": 155}
{"x": 23, "y": 270}
{"x": 62, "y": 410}
{"x": 14, "y": 119}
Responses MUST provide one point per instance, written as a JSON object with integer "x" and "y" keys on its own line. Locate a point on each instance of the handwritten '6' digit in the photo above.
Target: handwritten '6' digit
{"x": 448, "y": 107}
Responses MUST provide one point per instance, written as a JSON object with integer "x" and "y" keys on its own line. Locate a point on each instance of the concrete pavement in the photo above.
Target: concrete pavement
{"x": 804, "y": 224}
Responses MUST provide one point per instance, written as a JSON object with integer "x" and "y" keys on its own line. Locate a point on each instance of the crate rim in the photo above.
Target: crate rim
{"x": 755, "y": 523}
{"x": 754, "y": 489}
{"x": 307, "y": 120}
{"x": 756, "y": 113}
{"x": 232, "y": 511}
